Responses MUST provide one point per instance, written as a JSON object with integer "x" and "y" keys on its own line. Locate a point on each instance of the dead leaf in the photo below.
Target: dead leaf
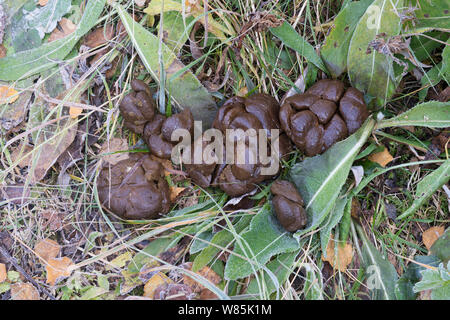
{"x": 16, "y": 193}
{"x": 99, "y": 36}
{"x": 344, "y": 255}
{"x": 3, "y": 274}
{"x": 47, "y": 249}
{"x": 154, "y": 282}
{"x": 58, "y": 268}
{"x": 140, "y": 3}
{"x": 53, "y": 219}
{"x": 67, "y": 27}
{"x": 112, "y": 147}
{"x": 24, "y": 291}
{"x": 74, "y": 112}
{"x": 196, "y": 287}
{"x": 120, "y": 261}
{"x": 382, "y": 158}
{"x": 22, "y": 155}
{"x": 173, "y": 291}
{"x": 8, "y": 94}
{"x": 2, "y": 51}
{"x": 43, "y": 2}
{"x": 430, "y": 235}
{"x": 175, "y": 191}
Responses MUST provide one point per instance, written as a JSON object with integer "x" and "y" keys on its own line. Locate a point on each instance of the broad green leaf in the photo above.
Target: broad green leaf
{"x": 446, "y": 63}
{"x": 381, "y": 274}
{"x": 335, "y": 50}
{"x": 281, "y": 267}
{"x": 430, "y": 79}
{"x": 319, "y": 179}
{"x": 370, "y": 71}
{"x": 437, "y": 280}
{"x": 427, "y": 186}
{"x": 184, "y": 88}
{"x": 441, "y": 247}
{"x": 29, "y": 62}
{"x": 333, "y": 219}
{"x": 220, "y": 240}
{"x": 432, "y": 14}
{"x": 432, "y": 114}
{"x": 146, "y": 255}
{"x": 200, "y": 242}
{"x": 293, "y": 40}
{"x": 404, "y": 286}
{"x": 265, "y": 238}
{"x": 175, "y": 30}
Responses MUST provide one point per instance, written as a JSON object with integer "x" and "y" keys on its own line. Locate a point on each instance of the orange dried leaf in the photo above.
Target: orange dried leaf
{"x": 47, "y": 249}
{"x": 58, "y": 268}
{"x": 382, "y": 158}
{"x": 430, "y": 235}
{"x": 154, "y": 282}
{"x": 74, "y": 112}
{"x": 205, "y": 272}
{"x": 43, "y": 2}
{"x": 8, "y": 94}
{"x": 24, "y": 291}
{"x": 175, "y": 191}
{"x": 344, "y": 255}
{"x": 67, "y": 28}
{"x": 3, "y": 274}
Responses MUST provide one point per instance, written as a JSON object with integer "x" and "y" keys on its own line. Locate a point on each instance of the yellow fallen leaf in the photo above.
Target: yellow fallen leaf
{"x": 24, "y": 291}
{"x": 47, "y": 249}
{"x": 175, "y": 191}
{"x": 120, "y": 261}
{"x": 3, "y": 274}
{"x": 344, "y": 255}
{"x": 74, "y": 112}
{"x": 58, "y": 268}
{"x": 154, "y": 282}
{"x": 382, "y": 158}
{"x": 8, "y": 94}
{"x": 430, "y": 235}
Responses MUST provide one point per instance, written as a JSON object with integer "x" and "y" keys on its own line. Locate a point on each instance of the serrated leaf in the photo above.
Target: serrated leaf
{"x": 293, "y": 40}
{"x": 432, "y": 114}
{"x": 319, "y": 179}
{"x": 335, "y": 50}
{"x": 382, "y": 275}
{"x": 29, "y": 62}
{"x": 431, "y": 15}
{"x": 427, "y": 186}
{"x": 370, "y": 71}
{"x": 265, "y": 239}
{"x": 184, "y": 88}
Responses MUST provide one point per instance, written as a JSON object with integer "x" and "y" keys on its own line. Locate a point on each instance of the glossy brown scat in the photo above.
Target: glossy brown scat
{"x": 137, "y": 107}
{"x": 134, "y": 188}
{"x": 288, "y": 206}
{"x": 313, "y": 120}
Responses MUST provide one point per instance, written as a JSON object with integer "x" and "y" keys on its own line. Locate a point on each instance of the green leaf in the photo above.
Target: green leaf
{"x": 200, "y": 242}
{"x": 441, "y": 247}
{"x": 437, "y": 280}
{"x": 44, "y": 18}
{"x": 319, "y": 179}
{"x": 280, "y": 267}
{"x": 26, "y": 63}
{"x": 427, "y": 186}
{"x": 446, "y": 63}
{"x": 335, "y": 50}
{"x": 370, "y": 71}
{"x": 432, "y": 114}
{"x": 175, "y": 29}
{"x": 293, "y": 40}
{"x": 220, "y": 241}
{"x": 265, "y": 239}
{"x": 404, "y": 286}
{"x": 431, "y": 15}
{"x": 333, "y": 219}
{"x": 313, "y": 283}
{"x": 382, "y": 275}
{"x": 430, "y": 79}
{"x": 184, "y": 88}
